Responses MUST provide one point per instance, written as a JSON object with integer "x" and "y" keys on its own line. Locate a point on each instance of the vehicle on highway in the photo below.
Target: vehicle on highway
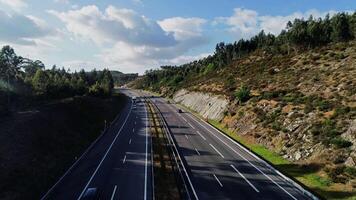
{"x": 180, "y": 111}
{"x": 91, "y": 194}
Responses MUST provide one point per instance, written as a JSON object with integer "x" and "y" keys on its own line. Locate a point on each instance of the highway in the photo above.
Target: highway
{"x": 218, "y": 167}
{"x": 118, "y": 163}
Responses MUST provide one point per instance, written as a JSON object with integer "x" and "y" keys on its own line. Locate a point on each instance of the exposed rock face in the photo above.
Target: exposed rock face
{"x": 207, "y": 105}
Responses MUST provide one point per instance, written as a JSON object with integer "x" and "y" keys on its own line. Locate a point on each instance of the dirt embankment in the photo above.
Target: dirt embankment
{"x": 38, "y": 145}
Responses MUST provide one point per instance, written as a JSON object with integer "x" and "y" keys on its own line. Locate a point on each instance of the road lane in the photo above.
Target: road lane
{"x": 249, "y": 178}
{"x": 118, "y": 165}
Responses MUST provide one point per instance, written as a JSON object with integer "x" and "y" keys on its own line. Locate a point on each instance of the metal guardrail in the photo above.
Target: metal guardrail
{"x": 175, "y": 157}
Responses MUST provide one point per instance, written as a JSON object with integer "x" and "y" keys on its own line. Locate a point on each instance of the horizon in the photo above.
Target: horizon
{"x": 131, "y": 37}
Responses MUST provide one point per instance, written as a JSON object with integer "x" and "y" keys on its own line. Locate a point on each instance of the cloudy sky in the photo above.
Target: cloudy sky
{"x": 136, "y": 35}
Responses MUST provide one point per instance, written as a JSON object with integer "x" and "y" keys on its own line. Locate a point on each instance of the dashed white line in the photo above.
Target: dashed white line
{"x": 191, "y": 125}
{"x": 216, "y": 150}
{"x": 216, "y": 178}
{"x": 243, "y": 157}
{"x": 187, "y": 137}
{"x": 124, "y": 160}
{"x": 133, "y": 130}
{"x": 113, "y": 192}
{"x": 130, "y": 141}
{"x": 197, "y": 151}
{"x": 245, "y": 178}
{"x": 106, "y": 153}
{"x": 201, "y": 135}
{"x": 184, "y": 119}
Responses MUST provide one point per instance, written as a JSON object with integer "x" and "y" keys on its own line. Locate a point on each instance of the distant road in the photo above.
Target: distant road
{"x": 219, "y": 168}
{"x": 118, "y": 164}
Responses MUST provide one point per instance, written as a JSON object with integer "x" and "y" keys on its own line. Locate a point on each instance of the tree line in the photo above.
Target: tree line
{"x": 298, "y": 35}
{"x": 24, "y": 77}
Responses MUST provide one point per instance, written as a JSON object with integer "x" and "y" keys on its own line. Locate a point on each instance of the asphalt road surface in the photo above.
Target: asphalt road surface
{"x": 219, "y": 168}
{"x": 118, "y": 164}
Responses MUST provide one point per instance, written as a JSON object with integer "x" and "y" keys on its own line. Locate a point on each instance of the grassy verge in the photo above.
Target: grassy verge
{"x": 165, "y": 184}
{"x": 307, "y": 175}
{"x": 38, "y": 146}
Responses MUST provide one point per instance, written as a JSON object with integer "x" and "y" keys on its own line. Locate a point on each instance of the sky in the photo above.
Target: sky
{"x": 133, "y": 36}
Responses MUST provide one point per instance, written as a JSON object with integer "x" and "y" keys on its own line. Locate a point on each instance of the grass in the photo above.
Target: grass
{"x": 49, "y": 142}
{"x": 307, "y": 175}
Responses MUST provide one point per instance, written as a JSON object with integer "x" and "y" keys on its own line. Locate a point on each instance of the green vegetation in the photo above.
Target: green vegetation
{"x": 299, "y": 35}
{"x": 22, "y": 78}
{"x": 243, "y": 94}
{"x": 305, "y": 174}
{"x": 49, "y": 141}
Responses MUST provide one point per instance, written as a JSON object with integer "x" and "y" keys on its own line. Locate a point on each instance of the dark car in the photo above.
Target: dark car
{"x": 180, "y": 111}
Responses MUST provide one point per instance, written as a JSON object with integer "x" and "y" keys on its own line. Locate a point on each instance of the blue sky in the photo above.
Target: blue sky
{"x": 136, "y": 35}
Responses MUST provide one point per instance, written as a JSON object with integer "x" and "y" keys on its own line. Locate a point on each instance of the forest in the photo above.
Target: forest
{"x": 299, "y": 35}
{"x": 25, "y": 81}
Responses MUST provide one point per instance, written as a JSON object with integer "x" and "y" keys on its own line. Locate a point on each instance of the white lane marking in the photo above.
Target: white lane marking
{"x": 145, "y": 189}
{"x": 130, "y": 141}
{"x": 216, "y": 178}
{"x": 187, "y": 137}
{"x": 201, "y": 135}
{"x": 180, "y": 159}
{"x": 244, "y": 157}
{"x": 133, "y": 130}
{"x": 184, "y": 119}
{"x": 135, "y": 122}
{"x": 123, "y": 161}
{"x": 216, "y": 150}
{"x": 106, "y": 153}
{"x": 245, "y": 178}
{"x": 191, "y": 125}
{"x": 113, "y": 192}
{"x": 197, "y": 151}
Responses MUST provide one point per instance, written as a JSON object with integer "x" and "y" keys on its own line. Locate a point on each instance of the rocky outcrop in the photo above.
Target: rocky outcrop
{"x": 207, "y": 105}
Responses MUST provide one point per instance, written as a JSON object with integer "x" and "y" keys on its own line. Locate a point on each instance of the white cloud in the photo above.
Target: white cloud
{"x": 14, "y": 4}
{"x": 183, "y": 28}
{"x": 131, "y": 42}
{"x": 114, "y": 25}
{"x": 21, "y": 29}
{"x": 245, "y": 23}
{"x": 62, "y": 1}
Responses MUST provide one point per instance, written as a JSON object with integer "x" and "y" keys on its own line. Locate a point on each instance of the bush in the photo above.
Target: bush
{"x": 340, "y": 142}
{"x": 243, "y": 94}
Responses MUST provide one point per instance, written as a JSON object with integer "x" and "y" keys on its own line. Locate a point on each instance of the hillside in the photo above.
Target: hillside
{"x": 300, "y": 105}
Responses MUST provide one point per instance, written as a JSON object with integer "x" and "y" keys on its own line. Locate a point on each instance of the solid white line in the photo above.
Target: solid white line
{"x": 180, "y": 159}
{"x": 123, "y": 161}
{"x": 184, "y": 119}
{"x": 197, "y": 151}
{"x": 216, "y": 150}
{"x": 145, "y": 189}
{"x": 244, "y": 157}
{"x": 216, "y": 178}
{"x": 130, "y": 141}
{"x": 245, "y": 178}
{"x": 113, "y": 192}
{"x": 187, "y": 137}
{"x": 106, "y": 153}
{"x": 201, "y": 135}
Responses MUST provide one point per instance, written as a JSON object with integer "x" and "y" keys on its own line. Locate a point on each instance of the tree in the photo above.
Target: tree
{"x": 40, "y": 82}
{"x": 340, "y": 28}
{"x": 9, "y": 63}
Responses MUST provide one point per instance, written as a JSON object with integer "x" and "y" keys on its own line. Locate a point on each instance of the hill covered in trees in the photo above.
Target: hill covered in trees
{"x": 291, "y": 98}
{"x": 25, "y": 81}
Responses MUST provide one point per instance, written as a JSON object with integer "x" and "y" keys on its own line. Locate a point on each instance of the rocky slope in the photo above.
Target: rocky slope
{"x": 301, "y": 105}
